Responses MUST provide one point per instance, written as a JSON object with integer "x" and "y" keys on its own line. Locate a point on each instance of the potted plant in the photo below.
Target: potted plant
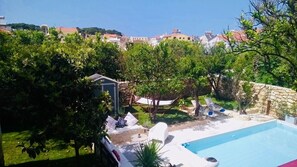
{"x": 291, "y": 115}
{"x": 288, "y": 113}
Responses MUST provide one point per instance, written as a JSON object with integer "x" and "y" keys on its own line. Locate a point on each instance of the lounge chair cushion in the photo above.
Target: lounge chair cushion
{"x": 111, "y": 123}
{"x": 131, "y": 120}
{"x": 121, "y": 122}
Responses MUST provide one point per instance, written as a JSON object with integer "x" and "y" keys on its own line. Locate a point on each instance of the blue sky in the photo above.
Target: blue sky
{"x": 131, "y": 17}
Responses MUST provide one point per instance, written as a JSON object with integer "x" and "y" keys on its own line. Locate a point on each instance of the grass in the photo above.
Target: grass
{"x": 174, "y": 115}
{"x": 65, "y": 162}
{"x": 169, "y": 116}
{"x": 229, "y": 105}
{"x": 58, "y": 152}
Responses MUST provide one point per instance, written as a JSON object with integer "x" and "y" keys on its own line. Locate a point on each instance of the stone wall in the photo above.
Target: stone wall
{"x": 269, "y": 98}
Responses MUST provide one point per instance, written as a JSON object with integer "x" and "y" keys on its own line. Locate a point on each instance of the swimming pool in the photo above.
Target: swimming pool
{"x": 267, "y": 145}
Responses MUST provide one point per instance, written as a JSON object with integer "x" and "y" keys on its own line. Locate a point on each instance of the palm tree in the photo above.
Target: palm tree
{"x": 148, "y": 155}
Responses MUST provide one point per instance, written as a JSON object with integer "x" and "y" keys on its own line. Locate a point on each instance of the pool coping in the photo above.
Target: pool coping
{"x": 176, "y": 154}
{"x": 190, "y": 159}
{"x": 184, "y": 157}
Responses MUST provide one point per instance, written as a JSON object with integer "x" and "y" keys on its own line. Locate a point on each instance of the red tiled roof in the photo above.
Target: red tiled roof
{"x": 238, "y": 36}
{"x": 66, "y": 30}
{"x": 110, "y": 36}
{"x": 4, "y": 30}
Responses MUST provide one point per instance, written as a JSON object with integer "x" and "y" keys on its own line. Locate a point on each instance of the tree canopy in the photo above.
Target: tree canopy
{"x": 94, "y": 30}
{"x": 271, "y": 30}
{"x": 24, "y": 26}
{"x": 153, "y": 70}
{"x": 86, "y": 30}
{"x": 218, "y": 63}
{"x": 44, "y": 85}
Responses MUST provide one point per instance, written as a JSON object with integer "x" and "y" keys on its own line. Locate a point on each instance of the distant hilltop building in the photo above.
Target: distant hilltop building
{"x": 3, "y": 26}
{"x": 2, "y": 20}
{"x": 209, "y": 40}
{"x": 154, "y": 41}
{"x": 113, "y": 38}
{"x": 66, "y": 30}
{"x": 176, "y": 34}
{"x": 44, "y": 28}
{"x": 138, "y": 39}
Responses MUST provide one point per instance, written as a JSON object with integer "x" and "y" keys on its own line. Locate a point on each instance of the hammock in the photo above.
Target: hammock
{"x": 146, "y": 101}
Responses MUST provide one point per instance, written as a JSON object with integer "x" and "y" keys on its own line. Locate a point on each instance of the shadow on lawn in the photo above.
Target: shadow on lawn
{"x": 130, "y": 109}
{"x": 85, "y": 160}
{"x": 173, "y": 116}
{"x": 167, "y": 115}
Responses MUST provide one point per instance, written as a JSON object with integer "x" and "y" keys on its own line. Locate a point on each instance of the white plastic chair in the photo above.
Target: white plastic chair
{"x": 159, "y": 132}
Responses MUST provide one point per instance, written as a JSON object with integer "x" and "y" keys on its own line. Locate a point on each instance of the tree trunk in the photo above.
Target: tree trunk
{"x": 1, "y": 149}
{"x": 217, "y": 93}
{"x": 155, "y": 107}
{"x": 242, "y": 109}
{"x": 215, "y": 83}
{"x": 197, "y": 109}
{"x": 76, "y": 147}
{"x": 131, "y": 100}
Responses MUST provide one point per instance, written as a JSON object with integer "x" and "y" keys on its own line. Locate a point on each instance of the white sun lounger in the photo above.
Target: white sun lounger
{"x": 159, "y": 132}
{"x": 212, "y": 106}
{"x": 204, "y": 110}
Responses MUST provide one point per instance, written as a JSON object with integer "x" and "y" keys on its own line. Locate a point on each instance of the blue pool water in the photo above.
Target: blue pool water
{"x": 266, "y": 145}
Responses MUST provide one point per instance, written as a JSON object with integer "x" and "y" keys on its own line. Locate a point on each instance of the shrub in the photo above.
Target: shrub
{"x": 148, "y": 155}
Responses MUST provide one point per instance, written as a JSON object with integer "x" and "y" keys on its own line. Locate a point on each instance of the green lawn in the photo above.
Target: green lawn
{"x": 169, "y": 116}
{"x": 229, "y": 105}
{"x": 59, "y": 153}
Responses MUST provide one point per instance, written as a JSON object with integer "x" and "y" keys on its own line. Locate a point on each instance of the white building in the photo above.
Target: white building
{"x": 113, "y": 38}
{"x": 209, "y": 40}
{"x": 3, "y": 25}
{"x": 139, "y": 39}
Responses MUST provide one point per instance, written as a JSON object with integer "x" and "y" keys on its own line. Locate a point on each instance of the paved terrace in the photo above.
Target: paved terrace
{"x": 174, "y": 153}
